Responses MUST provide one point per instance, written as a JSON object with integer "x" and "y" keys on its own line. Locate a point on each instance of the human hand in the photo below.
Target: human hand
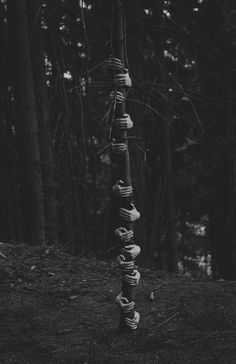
{"x": 125, "y": 266}
{"x": 123, "y": 123}
{"x": 118, "y": 147}
{"x": 133, "y": 278}
{"x": 124, "y": 235}
{"x": 133, "y": 323}
{"x": 123, "y": 303}
{"x": 123, "y": 79}
{"x": 120, "y": 190}
{"x": 116, "y": 97}
{"x": 133, "y": 250}
{"x": 114, "y": 64}
{"x": 129, "y": 215}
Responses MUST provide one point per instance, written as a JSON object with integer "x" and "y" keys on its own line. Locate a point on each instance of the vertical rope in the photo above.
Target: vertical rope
{"x": 125, "y": 213}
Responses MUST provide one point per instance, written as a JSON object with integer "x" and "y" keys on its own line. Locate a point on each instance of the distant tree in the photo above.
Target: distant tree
{"x": 217, "y": 77}
{"x": 7, "y": 182}
{"x": 162, "y": 215}
{"x": 35, "y": 11}
{"x": 27, "y": 131}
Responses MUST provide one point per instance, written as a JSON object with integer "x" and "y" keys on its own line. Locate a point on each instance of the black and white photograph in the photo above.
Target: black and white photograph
{"x": 118, "y": 182}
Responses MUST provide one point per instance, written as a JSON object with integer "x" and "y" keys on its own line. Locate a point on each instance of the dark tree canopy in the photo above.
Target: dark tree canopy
{"x": 56, "y": 170}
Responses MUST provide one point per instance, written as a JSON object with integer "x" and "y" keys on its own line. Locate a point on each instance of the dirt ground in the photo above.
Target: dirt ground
{"x": 58, "y": 309}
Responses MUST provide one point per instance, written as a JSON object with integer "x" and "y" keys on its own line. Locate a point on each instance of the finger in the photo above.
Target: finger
{"x": 124, "y": 214}
{"x": 132, "y": 283}
{"x": 124, "y": 300}
{"x": 128, "y": 236}
{"x": 124, "y": 211}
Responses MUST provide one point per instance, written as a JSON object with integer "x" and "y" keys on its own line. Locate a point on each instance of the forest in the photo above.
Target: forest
{"x": 118, "y": 126}
{"x": 56, "y": 170}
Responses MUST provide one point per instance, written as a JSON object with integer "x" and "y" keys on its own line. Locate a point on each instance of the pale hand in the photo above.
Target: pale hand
{"x": 114, "y": 64}
{"x": 124, "y": 304}
{"x": 124, "y": 235}
{"x": 133, "y": 250}
{"x": 129, "y": 215}
{"x": 133, "y": 278}
{"x": 124, "y": 265}
{"x": 123, "y": 79}
{"x": 133, "y": 323}
{"x": 120, "y": 190}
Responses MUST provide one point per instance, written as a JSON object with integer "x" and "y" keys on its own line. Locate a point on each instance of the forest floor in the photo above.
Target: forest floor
{"x": 57, "y": 309}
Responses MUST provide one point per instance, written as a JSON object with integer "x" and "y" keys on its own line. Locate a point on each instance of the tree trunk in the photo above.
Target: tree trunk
{"x": 230, "y": 265}
{"x": 7, "y": 181}
{"x": 170, "y": 236}
{"x": 27, "y": 124}
{"x": 45, "y": 134}
{"x": 63, "y": 148}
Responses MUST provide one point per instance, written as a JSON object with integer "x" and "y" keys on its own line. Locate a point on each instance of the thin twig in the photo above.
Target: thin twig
{"x": 167, "y": 320}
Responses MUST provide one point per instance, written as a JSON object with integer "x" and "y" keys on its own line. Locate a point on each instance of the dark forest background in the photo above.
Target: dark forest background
{"x": 55, "y": 178}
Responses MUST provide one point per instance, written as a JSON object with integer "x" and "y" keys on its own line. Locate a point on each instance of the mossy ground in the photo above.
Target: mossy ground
{"x": 57, "y": 309}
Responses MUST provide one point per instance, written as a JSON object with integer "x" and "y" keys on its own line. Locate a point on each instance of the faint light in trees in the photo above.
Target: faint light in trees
{"x": 190, "y": 64}
{"x": 167, "y": 3}
{"x": 83, "y": 5}
{"x": 167, "y": 14}
{"x": 170, "y": 56}
{"x": 48, "y": 65}
{"x": 44, "y": 25}
{"x": 148, "y": 12}
{"x": 83, "y": 84}
{"x": 169, "y": 40}
{"x": 13, "y": 130}
{"x": 67, "y": 75}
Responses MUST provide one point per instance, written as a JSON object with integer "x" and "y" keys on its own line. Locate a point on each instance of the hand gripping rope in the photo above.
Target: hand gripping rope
{"x": 123, "y": 79}
{"x": 120, "y": 190}
{"x": 121, "y": 123}
{"x": 118, "y": 148}
{"x": 133, "y": 278}
{"x": 133, "y": 250}
{"x": 123, "y": 304}
{"x": 125, "y": 266}
{"x": 129, "y": 215}
{"x": 124, "y": 235}
{"x": 133, "y": 323}
{"x": 120, "y": 79}
{"x": 114, "y": 64}
{"x": 116, "y": 97}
